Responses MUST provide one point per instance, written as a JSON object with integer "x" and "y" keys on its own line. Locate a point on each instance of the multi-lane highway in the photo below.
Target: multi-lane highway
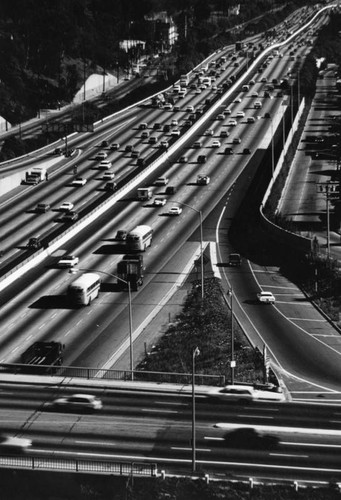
{"x": 154, "y": 426}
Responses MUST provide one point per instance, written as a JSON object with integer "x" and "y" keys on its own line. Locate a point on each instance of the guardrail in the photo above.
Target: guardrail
{"x": 79, "y": 465}
{"x": 109, "y": 374}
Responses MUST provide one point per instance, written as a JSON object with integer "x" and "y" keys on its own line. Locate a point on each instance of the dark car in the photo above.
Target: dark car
{"x": 202, "y": 159}
{"x": 34, "y": 243}
{"x": 228, "y": 151}
{"x": 69, "y": 216}
{"x": 251, "y": 439}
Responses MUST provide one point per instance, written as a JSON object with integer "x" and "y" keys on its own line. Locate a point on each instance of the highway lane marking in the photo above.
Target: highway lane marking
{"x": 190, "y": 449}
{"x": 319, "y": 445}
{"x": 170, "y": 403}
{"x": 309, "y": 319}
{"x": 279, "y": 429}
{"x": 158, "y": 410}
{"x": 288, "y": 455}
{"x": 256, "y": 416}
{"x": 95, "y": 442}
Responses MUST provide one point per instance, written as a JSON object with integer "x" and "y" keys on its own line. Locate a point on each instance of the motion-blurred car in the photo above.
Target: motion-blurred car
{"x": 247, "y": 437}
{"x": 266, "y": 297}
{"x": 13, "y": 444}
{"x": 244, "y": 394}
{"x": 77, "y": 402}
{"x": 69, "y": 216}
{"x": 68, "y": 261}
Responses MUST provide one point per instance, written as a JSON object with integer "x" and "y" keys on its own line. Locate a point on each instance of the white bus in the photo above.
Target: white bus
{"x": 139, "y": 238}
{"x": 84, "y": 289}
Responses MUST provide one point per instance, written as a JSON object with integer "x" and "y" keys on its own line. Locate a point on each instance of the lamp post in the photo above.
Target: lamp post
{"x": 130, "y": 309}
{"x": 201, "y": 244}
{"x": 195, "y": 353}
{"x": 233, "y": 362}
{"x": 272, "y": 148}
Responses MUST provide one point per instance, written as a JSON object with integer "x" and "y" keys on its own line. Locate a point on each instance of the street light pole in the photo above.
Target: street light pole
{"x": 233, "y": 362}
{"x": 201, "y": 244}
{"x": 195, "y": 353}
{"x": 130, "y": 310}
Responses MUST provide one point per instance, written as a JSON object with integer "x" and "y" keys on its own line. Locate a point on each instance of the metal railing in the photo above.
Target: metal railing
{"x": 79, "y": 465}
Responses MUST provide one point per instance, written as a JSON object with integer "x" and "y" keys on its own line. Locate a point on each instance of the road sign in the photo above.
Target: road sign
{"x": 328, "y": 187}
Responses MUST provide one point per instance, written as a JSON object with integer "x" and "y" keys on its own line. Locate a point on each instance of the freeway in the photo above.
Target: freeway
{"x": 155, "y": 426}
{"x": 35, "y": 307}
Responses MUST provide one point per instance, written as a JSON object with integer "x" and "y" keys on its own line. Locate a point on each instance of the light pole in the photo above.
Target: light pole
{"x": 74, "y": 270}
{"x": 195, "y": 353}
{"x": 272, "y": 148}
{"x": 201, "y": 244}
{"x": 233, "y": 362}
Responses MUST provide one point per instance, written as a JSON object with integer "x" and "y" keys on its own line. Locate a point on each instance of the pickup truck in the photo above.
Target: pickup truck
{"x": 266, "y": 298}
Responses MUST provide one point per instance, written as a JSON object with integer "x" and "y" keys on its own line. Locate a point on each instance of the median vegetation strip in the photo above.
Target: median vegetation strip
{"x": 207, "y": 325}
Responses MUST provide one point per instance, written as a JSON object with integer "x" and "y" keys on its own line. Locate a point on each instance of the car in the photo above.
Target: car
{"x": 143, "y": 126}
{"x": 105, "y": 164}
{"x": 237, "y": 100}
{"x": 164, "y": 144}
{"x": 190, "y": 109}
{"x": 240, "y": 114}
{"x": 66, "y": 206}
{"x": 115, "y": 146}
{"x": 42, "y": 208}
{"x": 108, "y": 175}
{"x": 135, "y": 153}
{"x": 248, "y": 437}
{"x": 68, "y": 261}
{"x": 202, "y": 159}
{"x": 174, "y": 123}
{"x": 227, "y": 111}
{"x": 254, "y": 93}
{"x": 203, "y": 179}
{"x": 176, "y": 107}
{"x": 209, "y": 131}
{"x": 175, "y": 131}
{"x": 232, "y": 122}
{"x": 121, "y": 235}
{"x": 152, "y": 139}
{"x": 58, "y": 151}
{"x": 264, "y": 79}
{"x": 198, "y": 91}
{"x": 79, "y": 181}
{"x": 267, "y": 94}
{"x": 228, "y": 151}
{"x": 161, "y": 181}
{"x": 266, "y": 297}
{"x": 224, "y": 133}
{"x": 104, "y": 144}
{"x": 159, "y": 202}
{"x": 166, "y": 127}
{"x": 14, "y": 444}
{"x": 168, "y": 105}
{"x": 267, "y": 115}
{"x": 128, "y": 148}
{"x": 257, "y": 105}
{"x": 101, "y": 155}
{"x": 216, "y": 144}
{"x": 220, "y": 116}
{"x": 111, "y": 186}
{"x": 69, "y": 216}
{"x": 34, "y": 243}
{"x": 188, "y": 123}
{"x": 77, "y": 402}
{"x": 236, "y": 140}
{"x": 170, "y": 189}
{"x": 157, "y": 126}
{"x": 244, "y": 393}
{"x": 183, "y": 159}
{"x": 145, "y": 134}
{"x": 251, "y": 119}
{"x": 175, "y": 211}
{"x": 246, "y": 151}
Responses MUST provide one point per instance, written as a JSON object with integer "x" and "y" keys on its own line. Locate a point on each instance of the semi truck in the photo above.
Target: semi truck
{"x": 144, "y": 194}
{"x": 43, "y": 357}
{"x": 35, "y": 175}
{"x": 130, "y": 269}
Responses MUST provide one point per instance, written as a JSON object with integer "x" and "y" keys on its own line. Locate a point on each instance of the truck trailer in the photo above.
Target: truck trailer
{"x": 130, "y": 270}
{"x": 35, "y": 175}
{"x": 42, "y": 357}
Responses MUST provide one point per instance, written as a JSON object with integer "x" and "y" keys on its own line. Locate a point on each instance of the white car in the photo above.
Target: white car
{"x": 12, "y": 444}
{"x": 190, "y": 109}
{"x": 108, "y": 175}
{"x": 79, "y": 181}
{"x": 232, "y": 123}
{"x": 216, "y": 144}
{"x": 266, "y": 297}
{"x": 101, "y": 155}
{"x": 237, "y": 100}
{"x": 175, "y": 131}
{"x": 105, "y": 165}
{"x": 115, "y": 146}
{"x": 175, "y": 211}
{"x": 68, "y": 261}
{"x": 159, "y": 202}
{"x": 78, "y": 402}
{"x": 240, "y": 114}
{"x": 246, "y": 393}
{"x": 161, "y": 181}
{"x": 66, "y": 206}
{"x": 209, "y": 131}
